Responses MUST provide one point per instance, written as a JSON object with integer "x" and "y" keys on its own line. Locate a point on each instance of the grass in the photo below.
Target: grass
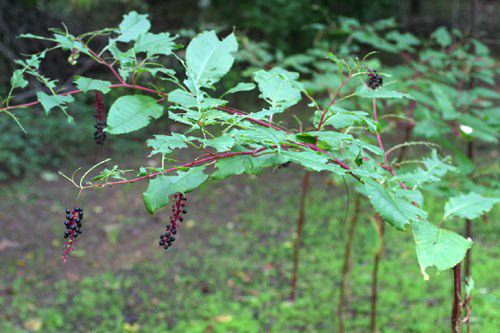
{"x": 230, "y": 269}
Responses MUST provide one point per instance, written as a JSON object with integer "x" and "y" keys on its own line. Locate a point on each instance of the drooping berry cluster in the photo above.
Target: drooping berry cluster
{"x": 73, "y": 224}
{"x": 374, "y": 80}
{"x": 99, "y": 134}
{"x": 178, "y": 210}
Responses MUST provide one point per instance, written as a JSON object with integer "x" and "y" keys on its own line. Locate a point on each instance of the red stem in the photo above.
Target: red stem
{"x": 298, "y": 240}
{"x": 457, "y": 299}
{"x": 381, "y": 145}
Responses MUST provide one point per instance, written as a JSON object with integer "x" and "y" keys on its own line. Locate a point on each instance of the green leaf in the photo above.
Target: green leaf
{"x": 392, "y": 205}
{"x": 279, "y": 87}
{"x": 364, "y": 91}
{"x": 438, "y": 247}
{"x": 242, "y": 86}
{"x": 435, "y": 169}
{"x": 404, "y": 42}
{"x": 188, "y": 100}
{"x": 442, "y": 36}
{"x": 240, "y": 164}
{"x": 259, "y": 135}
{"x": 69, "y": 43}
{"x": 444, "y": 103}
{"x": 220, "y": 144}
{"x": 86, "y": 84}
{"x": 161, "y": 187}
{"x": 312, "y": 161}
{"x": 164, "y": 144}
{"x": 155, "y": 44}
{"x": 469, "y": 206}
{"x": 132, "y": 26}
{"x": 17, "y": 80}
{"x": 478, "y": 128}
{"x": 132, "y": 112}
{"x": 208, "y": 59}
{"x": 54, "y": 101}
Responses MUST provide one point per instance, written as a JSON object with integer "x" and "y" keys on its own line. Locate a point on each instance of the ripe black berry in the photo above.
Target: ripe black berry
{"x": 178, "y": 209}
{"x": 374, "y": 80}
{"x": 99, "y": 134}
{"x": 73, "y": 224}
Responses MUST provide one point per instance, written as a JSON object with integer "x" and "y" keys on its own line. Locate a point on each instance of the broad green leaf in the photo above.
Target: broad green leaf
{"x": 86, "y": 84}
{"x": 240, "y": 164}
{"x": 404, "y": 42}
{"x": 330, "y": 137}
{"x": 132, "y": 112}
{"x": 164, "y": 144}
{"x": 469, "y": 206}
{"x": 208, "y": 59}
{"x": 442, "y": 36}
{"x": 188, "y": 100}
{"x": 242, "y": 86}
{"x": 54, "y": 101}
{"x": 260, "y": 135}
{"x": 438, "y": 247}
{"x": 132, "y": 26}
{"x": 69, "y": 43}
{"x": 312, "y": 161}
{"x": 340, "y": 118}
{"x": 220, "y": 144}
{"x": 161, "y": 187}
{"x": 392, "y": 205}
{"x": 364, "y": 91}
{"x": 17, "y": 80}
{"x": 155, "y": 44}
{"x": 279, "y": 87}
{"x": 444, "y": 103}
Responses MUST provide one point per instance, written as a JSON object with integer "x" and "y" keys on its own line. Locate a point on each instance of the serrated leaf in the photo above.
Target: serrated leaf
{"x": 161, "y": 187}
{"x": 435, "y": 169}
{"x": 241, "y": 86}
{"x": 438, "y": 247}
{"x": 132, "y": 112}
{"x": 188, "y": 100}
{"x": 54, "y": 101}
{"x": 132, "y": 26}
{"x": 364, "y": 91}
{"x": 442, "y": 36}
{"x": 240, "y": 164}
{"x": 208, "y": 59}
{"x": 17, "y": 80}
{"x": 155, "y": 44}
{"x": 69, "y": 43}
{"x": 86, "y": 84}
{"x": 444, "y": 103}
{"x": 312, "y": 161}
{"x": 469, "y": 206}
{"x": 392, "y": 205}
{"x": 220, "y": 144}
{"x": 259, "y": 135}
{"x": 165, "y": 144}
{"x": 279, "y": 87}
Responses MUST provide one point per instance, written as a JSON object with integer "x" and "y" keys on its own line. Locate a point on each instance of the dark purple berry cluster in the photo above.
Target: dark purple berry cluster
{"x": 176, "y": 217}
{"x": 99, "y": 134}
{"x": 73, "y": 224}
{"x": 374, "y": 80}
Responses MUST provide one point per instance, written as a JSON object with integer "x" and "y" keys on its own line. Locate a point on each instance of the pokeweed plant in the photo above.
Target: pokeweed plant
{"x": 343, "y": 135}
{"x": 451, "y": 76}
